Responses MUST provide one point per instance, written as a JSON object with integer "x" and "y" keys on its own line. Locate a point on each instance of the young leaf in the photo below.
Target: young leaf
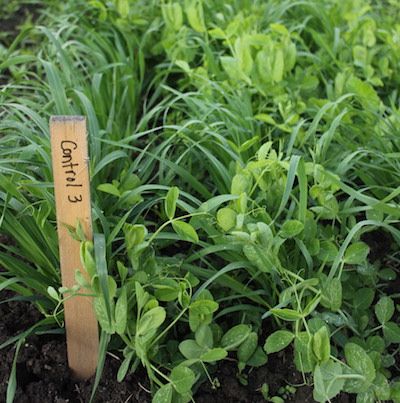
{"x": 190, "y": 349}
{"x": 182, "y": 379}
{"x": 303, "y": 356}
{"x": 226, "y": 218}
{"x": 151, "y": 320}
{"x": 134, "y": 234}
{"x": 356, "y": 253}
{"x": 278, "y": 66}
{"x": 164, "y": 394}
{"x": 327, "y": 381}
{"x": 53, "y": 293}
{"x": 109, "y": 188}
{"x": 170, "y": 202}
{"x": 200, "y": 312}
{"x": 384, "y": 309}
{"x": 291, "y": 228}
{"x": 286, "y": 314}
{"x": 235, "y": 336}
{"x": 258, "y": 359}
{"x": 381, "y": 387}
{"x": 321, "y": 344}
{"x": 391, "y": 332}
{"x": 185, "y": 231}
{"x": 362, "y": 364}
{"x": 204, "y": 336}
{"x": 331, "y": 297}
{"x": 124, "y": 367}
{"x": 215, "y": 354}
{"x": 277, "y": 341}
{"x": 248, "y": 347}
{"x": 194, "y": 12}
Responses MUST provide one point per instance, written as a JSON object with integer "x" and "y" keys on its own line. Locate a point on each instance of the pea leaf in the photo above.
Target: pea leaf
{"x": 109, "y": 188}
{"x": 361, "y": 364}
{"x": 363, "y": 298}
{"x": 286, "y": 314}
{"x": 278, "y": 66}
{"x": 204, "y": 336}
{"x": 182, "y": 379}
{"x": 391, "y": 332}
{"x": 277, "y": 341}
{"x": 226, "y": 218}
{"x": 381, "y": 387}
{"x": 303, "y": 356}
{"x": 235, "y": 336}
{"x": 321, "y": 344}
{"x": 243, "y": 55}
{"x": 331, "y": 297}
{"x": 384, "y": 309}
{"x": 124, "y": 367}
{"x": 291, "y": 228}
{"x": 213, "y": 355}
{"x": 170, "y": 202}
{"x": 260, "y": 257}
{"x": 258, "y": 359}
{"x": 200, "y": 312}
{"x": 151, "y": 320}
{"x": 185, "y": 231}
{"x": 327, "y": 381}
{"x": 240, "y": 184}
{"x": 194, "y": 12}
{"x": 356, "y": 253}
{"x": 191, "y": 350}
{"x": 248, "y": 347}
{"x": 163, "y": 395}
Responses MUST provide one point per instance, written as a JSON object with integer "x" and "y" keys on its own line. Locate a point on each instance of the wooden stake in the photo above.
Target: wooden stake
{"x": 72, "y": 195}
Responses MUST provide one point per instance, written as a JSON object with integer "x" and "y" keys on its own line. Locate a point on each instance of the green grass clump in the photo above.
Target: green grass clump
{"x": 243, "y": 156}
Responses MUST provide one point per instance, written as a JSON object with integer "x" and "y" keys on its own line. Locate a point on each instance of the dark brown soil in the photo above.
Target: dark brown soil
{"x": 278, "y": 373}
{"x": 42, "y": 372}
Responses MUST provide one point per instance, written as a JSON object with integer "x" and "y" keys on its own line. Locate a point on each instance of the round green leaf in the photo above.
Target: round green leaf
{"x": 384, "y": 309}
{"x": 185, "y": 231}
{"x": 277, "y": 341}
{"x": 163, "y": 395}
{"x": 182, "y": 379}
{"x": 291, "y": 228}
{"x": 226, "y": 218}
{"x": 235, "y": 336}
{"x": 391, "y": 332}
{"x": 356, "y": 253}
{"x": 361, "y": 363}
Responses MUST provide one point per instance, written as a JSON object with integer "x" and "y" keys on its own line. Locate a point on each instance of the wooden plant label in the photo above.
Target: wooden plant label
{"x": 72, "y": 195}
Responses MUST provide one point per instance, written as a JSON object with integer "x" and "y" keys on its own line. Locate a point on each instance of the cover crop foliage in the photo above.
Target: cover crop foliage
{"x": 244, "y": 163}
